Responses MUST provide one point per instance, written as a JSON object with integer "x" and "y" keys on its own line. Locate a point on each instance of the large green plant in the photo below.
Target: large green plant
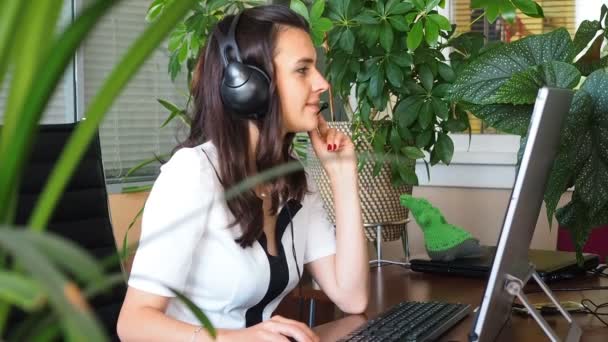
{"x": 500, "y": 87}
{"x": 392, "y": 53}
{"x": 44, "y": 271}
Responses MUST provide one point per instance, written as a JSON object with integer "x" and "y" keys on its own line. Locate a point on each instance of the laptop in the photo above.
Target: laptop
{"x": 550, "y": 265}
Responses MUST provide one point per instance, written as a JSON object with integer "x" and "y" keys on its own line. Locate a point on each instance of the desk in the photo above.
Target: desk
{"x": 391, "y": 284}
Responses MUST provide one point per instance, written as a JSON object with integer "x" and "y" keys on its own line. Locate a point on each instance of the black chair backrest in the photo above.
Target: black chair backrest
{"x": 82, "y": 214}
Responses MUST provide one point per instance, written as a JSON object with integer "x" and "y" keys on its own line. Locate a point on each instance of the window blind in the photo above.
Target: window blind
{"x": 130, "y": 132}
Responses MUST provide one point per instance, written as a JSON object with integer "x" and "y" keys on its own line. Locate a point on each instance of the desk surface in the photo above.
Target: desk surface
{"x": 391, "y": 284}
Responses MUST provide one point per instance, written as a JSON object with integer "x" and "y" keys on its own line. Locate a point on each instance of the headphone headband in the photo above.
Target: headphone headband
{"x": 226, "y": 42}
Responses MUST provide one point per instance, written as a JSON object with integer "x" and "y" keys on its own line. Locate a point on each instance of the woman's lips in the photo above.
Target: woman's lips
{"x": 314, "y": 106}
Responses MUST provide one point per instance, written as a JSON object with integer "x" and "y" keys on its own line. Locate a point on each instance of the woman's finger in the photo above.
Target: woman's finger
{"x": 322, "y": 125}
{"x": 288, "y": 330}
{"x": 302, "y": 326}
{"x": 330, "y": 139}
{"x": 268, "y": 336}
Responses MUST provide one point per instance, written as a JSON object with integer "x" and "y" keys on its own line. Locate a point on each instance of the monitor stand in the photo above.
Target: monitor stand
{"x": 514, "y": 286}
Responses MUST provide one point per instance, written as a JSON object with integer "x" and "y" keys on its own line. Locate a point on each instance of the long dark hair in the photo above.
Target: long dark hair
{"x": 256, "y": 37}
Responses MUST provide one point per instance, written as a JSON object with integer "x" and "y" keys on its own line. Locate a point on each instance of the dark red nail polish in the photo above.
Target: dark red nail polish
{"x": 329, "y": 147}
{"x": 335, "y": 147}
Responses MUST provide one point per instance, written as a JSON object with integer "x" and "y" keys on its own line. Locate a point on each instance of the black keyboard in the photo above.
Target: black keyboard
{"x": 411, "y": 321}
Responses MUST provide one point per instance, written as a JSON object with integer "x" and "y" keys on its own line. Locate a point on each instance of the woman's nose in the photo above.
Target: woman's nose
{"x": 320, "y": 85}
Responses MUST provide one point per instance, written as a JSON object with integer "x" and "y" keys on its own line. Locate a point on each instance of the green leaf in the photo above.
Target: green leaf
{"x": 155, "y": 159}
{"x": 370, "y": 34}
{"x": 574, "y": 216}
{"x": 395, "y": 139}
{"x": 171, "y": 107}
{"x": 480, "y": 79}
{"x": 412, "y": 152}
{"x": 147, "y": 43}
{"x": 9, "y": 23}
{"x": 506, "y": 118}
{"x": 406, "y": 111}
{"x": 585, "y": 34}
{"x": 414, "y": 38}
{"x": 440, "y": 108}
{"x": 322, "y": 25}
{"x": 560, "y": 75}
{"x": 441, "y": 90}
{"x": 446, "y": 72}
{"x": 592, "y": 155}
{"x": 426, "y": 77}
{"x": 198, "y": 313}
{"x": 591, "y": 59}
{"x": 444, "y": 147}
{"x": 441, "y": 21}
{"x": 398, "y": 23}
{"x": 424, "y": 138}
{"x": 526, "y": 6}
{"x": 156, "y": 7}
{"x": 177, "y": 114}
{"x": 408, "y": 174}
{"x": 316, "y": 11}
{"x": 386, "y": 36}
{"x": 431, "y": 32}
{"x": 376, "y": 83}
{"x": 77, "y": 321}
{"x": 66, "y": 254}
{"x": 20, "y": 291}
{"x": 431, "y": 4}
{"x": 367, "y": 17}
{"x": 394, "y": 74}
{"x": 401, "y": 8}
{"x": 13, "y": 145}
{"x": 523, "y": 86}
{"x": 419, "y": 4}
{"x": 347, "y": 41}
{"x": 425, "y": 117}
{"x": 380, "y": 8}
{"x": 299, "y": 7}
{"x": 402, "y": 58}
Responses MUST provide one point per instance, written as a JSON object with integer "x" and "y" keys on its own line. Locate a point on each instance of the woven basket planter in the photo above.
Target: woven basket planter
{"x": 379, "y": 198}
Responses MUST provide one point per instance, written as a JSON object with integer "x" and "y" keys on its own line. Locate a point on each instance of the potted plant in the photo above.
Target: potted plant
{"x": 502, "y": 94}
{"x": 42, "y": 274}
{"x": 386, "y": 61}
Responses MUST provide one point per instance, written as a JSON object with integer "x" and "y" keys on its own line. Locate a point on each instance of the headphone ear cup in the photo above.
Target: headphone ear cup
{"x": 245, "y": 90}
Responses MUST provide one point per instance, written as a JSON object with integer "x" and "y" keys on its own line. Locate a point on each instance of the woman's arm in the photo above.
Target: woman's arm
{"x": 344, "y": 276}
{"x": 142, "y": 318}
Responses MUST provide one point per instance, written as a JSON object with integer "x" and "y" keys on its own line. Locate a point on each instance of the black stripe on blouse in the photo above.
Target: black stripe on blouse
{"x": 279, "y": 271}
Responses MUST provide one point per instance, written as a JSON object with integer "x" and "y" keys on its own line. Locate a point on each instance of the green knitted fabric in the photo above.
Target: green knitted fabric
{"x": 442, "y": 240}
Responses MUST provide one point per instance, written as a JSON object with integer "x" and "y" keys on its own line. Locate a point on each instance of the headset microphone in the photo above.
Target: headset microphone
{"x": 323, "y": 107}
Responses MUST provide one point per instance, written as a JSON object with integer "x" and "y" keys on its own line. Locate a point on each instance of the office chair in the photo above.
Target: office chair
{"x": 82, "y": 214}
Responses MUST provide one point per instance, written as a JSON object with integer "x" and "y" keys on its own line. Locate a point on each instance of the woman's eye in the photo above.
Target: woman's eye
{"x": 302, "y": 70}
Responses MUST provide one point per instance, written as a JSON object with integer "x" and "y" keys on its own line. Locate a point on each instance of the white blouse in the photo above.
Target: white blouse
{"x": 185, "y": 244}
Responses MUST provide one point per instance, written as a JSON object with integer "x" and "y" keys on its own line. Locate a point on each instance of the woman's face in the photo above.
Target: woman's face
{"x": 299, "y": 83}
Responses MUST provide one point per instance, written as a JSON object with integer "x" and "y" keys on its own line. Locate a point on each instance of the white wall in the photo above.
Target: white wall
{"x": 588, "y": 10}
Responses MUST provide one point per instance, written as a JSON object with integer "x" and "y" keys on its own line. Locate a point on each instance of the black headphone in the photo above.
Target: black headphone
{"x": 245, "y": 88}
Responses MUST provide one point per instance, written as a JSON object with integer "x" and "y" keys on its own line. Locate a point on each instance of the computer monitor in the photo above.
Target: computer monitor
{"x": 511, "y": 268}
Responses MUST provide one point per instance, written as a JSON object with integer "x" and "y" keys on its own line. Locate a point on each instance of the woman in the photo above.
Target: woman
{"x": 236, "y": 258}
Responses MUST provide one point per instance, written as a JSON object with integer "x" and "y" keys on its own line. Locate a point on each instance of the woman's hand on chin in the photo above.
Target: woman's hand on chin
{"x": 334, "y": 149}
